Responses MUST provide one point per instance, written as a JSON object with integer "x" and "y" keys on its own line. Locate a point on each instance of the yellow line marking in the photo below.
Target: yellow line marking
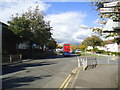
{"x": 65, "y": 81}
{"x": 68, "y": 79}
{"x": 76, "y": 70}
{"x": 68, "y": 82}
{"x": 73, "y": 70}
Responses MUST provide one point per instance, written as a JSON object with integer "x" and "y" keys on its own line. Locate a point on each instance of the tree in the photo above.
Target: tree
{"x": 41, "y": 30}
{"x": 59, "y": 47}
{"x": 51, "y": 44}
{"x": 103, "y": 16}
{"x": 99, "y": 5}
{"x": 73, "y": 47}
{"x": 32, "y": 27}
{"x": 20, "y": 26}
{"x": 82, "y": 47}
{"x": 93, "y": 41}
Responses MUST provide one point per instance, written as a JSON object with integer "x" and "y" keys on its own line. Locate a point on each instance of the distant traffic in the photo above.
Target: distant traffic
{"x": 66, "y": 50}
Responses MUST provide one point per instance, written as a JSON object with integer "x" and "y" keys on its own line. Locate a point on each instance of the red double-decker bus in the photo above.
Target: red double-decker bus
{"x": 66, "y": 47}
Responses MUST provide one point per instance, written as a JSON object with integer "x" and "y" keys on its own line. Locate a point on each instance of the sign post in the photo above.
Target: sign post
{"x": 112, "y": 25}
{"x": 112, "y": 4}
{"x": 110, "y": 10}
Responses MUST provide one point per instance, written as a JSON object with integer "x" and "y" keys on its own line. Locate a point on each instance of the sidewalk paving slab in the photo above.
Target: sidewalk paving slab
{"x": 103, "y": 76}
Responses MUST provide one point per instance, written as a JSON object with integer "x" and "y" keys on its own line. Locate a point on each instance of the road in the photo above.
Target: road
{"x": 47, "y": 73}
{"x": 43, "y": 73}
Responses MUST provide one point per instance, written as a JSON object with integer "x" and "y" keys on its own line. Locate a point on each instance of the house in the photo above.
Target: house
{"x": 113, "y": 47}
{"x": 110, "y": 47}
{"x": 110, "y": 27}
{"x": 9, "y": 40}
{"x": 24, "y": 45}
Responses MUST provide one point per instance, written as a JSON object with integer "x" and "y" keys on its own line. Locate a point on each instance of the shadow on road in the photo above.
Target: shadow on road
{"x": 21, "y": 81}
{"x": 22, "y": 66}
{"x": 14, "y": 68}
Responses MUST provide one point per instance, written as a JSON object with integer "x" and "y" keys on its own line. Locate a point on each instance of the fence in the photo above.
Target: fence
{"x": 12, "y": 58}
{"x": 88, "y": 61}
{"x": 26, "y": 56}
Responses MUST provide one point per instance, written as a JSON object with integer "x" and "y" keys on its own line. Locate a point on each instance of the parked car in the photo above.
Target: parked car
{"x": 99, "y": 52}
{"x": 66, "y": 53}
{"x": 73, "y": 52}
{"x": 77, "y": 51}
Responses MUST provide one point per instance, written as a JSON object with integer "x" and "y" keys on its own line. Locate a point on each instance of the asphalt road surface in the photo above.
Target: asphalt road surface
{"x": 47, "y": 73}
{"x": 43, "y": 73}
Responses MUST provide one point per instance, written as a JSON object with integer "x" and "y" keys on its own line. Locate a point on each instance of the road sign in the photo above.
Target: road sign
{"x": 112, "y": 4}
{"x": 109, "y": 10}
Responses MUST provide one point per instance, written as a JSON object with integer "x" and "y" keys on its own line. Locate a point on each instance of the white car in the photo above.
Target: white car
{"x": 77, "y": 51}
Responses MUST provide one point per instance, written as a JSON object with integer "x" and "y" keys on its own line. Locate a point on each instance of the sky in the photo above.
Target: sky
{"x": 66, "y": 18}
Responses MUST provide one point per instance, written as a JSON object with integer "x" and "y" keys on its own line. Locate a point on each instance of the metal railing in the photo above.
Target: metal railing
{"x": 88, "y": 61}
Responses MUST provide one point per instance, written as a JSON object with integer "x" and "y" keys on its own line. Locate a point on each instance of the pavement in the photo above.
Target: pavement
{"x": 102, "y": 76}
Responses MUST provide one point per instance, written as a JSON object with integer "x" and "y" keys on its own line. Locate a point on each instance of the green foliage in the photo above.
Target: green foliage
{"x": 73, "y": 47}
{"x": 82, "y": 47}
{"x": 93, "y": 41}
{"x": 97, "y": 30}
{"x": 60, "y": 47}
{"x": 32, "y": 27}
{"x": 103, "y": 16}
{"x": 79, "y": 53}
{"x": 20, "y": 26}
{"x": 95, "y": 49}
{"x": 52, "y": 44}
{"x": 102, "y": 51}
{"x": 112, "y": 53}
{"x": 117, "y": 40}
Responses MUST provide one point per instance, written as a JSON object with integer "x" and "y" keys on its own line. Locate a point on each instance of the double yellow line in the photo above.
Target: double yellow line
{"x": 68, "y": 79}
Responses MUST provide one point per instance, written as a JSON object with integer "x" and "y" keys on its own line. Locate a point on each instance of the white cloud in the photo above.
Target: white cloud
{"x": 9, "y": 8}
{"x": 96, "y": 21}
{"x": 67, "y": 27}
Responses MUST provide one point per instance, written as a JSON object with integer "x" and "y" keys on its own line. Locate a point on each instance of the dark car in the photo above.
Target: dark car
{"x": 73, "y": 52}
{"x": 99, "y": 52}
{"x": 66, "y": 53}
